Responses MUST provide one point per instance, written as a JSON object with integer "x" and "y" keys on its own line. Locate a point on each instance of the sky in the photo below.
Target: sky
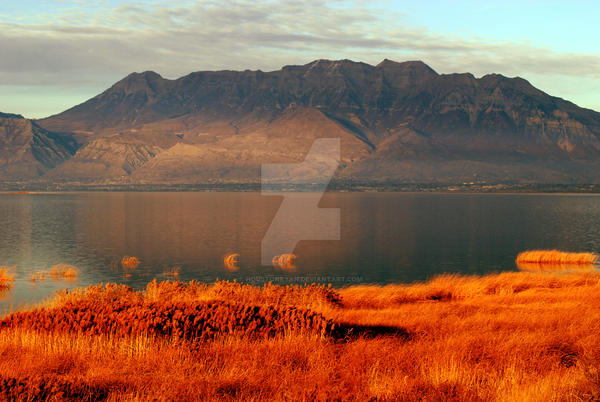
{"x": 55, "y": 54}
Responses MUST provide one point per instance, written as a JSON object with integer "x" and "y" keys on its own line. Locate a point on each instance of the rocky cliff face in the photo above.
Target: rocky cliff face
{"x": 396, "y": 121}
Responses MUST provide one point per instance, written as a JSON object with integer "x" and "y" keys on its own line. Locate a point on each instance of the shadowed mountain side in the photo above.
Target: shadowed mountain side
{"x": 27, "y": 150}
{"x": 105, "y": 158}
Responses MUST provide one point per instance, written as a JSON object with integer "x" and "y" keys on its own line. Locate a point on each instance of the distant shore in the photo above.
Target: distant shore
{"x": 17, "y": 187}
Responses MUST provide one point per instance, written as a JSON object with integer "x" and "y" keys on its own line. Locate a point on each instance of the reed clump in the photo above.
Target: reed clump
{"x": 557, "y": 257}
{"x": 64, "y": 271}
{"x": 554, "y": 267}
{"x": 7, "y": 277}
{"x": 286, "y": 262}
{"x": 42, "y": 388}
{"x": 232, "y": 262}
{"x": 172, "y": 272}
{"x": 61, "y": 271}
{"x": 190, "y": 321}
{"x": 308, "y": 296}
{"x": 130, "y": 262}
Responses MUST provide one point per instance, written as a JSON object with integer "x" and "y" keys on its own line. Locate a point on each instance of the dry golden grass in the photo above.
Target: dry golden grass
{"x": 285, "y": 262}
{"x": 38, "y": 276}
{"x": 554, "y": 267}
{"x": 231, "y": 262}
{"x": 130, "y": 262}
{"x": 557, "y": 257}
{"x": 61, "y": 271}
{"x": 7, "y": 276}
{"x": 172, "y": 272}
{"x": 64, "y": 271}
{"x": 506, "y": 337}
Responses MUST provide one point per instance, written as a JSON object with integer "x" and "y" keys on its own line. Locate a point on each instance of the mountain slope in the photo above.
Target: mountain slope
{"x": 27, "y": 150}
{"x": 399, "y": 121}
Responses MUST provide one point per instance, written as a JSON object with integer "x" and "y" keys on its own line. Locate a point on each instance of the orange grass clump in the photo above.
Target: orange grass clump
{"x": 557, "y": 257}
{"x": 231, "y": 262}
{"x": 130, "y": 262}
{"x": 510, "y": 336}
{"x": 7, "y": 276}
{"x": 191, "y": 321}
{"x": 554, "y": 267}
{"x": 173, "y": 272}
{"x": 59, "y": 271}
{"x": 285, "y": 262}
{"x": 42, "y": 388}
{"x": 38, "y": 276}
{"x": 64, "y": 271}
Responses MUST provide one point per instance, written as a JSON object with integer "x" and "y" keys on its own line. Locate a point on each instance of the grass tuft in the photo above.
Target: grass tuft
{"x": 557, "y": 257}
{"x": 64, "y": 271}
{"x": 7, "y": 276}
{"x": 130, "y": 262}
{"x": 285, "y": 262}
{"x": 231, "y": 262}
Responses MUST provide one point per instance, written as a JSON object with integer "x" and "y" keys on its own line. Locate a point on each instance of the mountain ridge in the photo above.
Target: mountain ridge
{"x": 398, "y": 121}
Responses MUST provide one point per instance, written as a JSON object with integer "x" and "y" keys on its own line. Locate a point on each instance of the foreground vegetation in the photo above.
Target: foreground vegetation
{"x": 511, "y": 336}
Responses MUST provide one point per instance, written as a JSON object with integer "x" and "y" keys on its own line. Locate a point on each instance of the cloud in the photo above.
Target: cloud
{"x": 96, "y": 45}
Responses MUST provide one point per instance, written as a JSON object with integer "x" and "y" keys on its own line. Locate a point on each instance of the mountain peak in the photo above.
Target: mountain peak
{"x": 136, "y": 82}
{"x": 139, "y": 78}
{"x": 147, "y": 75}
{"x": 333, "y": 64}
{"x": 416, "y": 66}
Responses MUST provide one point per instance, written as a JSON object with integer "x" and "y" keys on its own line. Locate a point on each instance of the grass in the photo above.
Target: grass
{"x": 556, "y": 267}
{"x": 64, "y": 271}
{"x": 505, "y": 337}
{"x": 7, "y": 276}
{"x": 285, "y": 262}
{"x": 61, "y": 271}
{"x": 557, "y": 257}
{"x": 130, "y": 262}
{"x": 172, "y": 272}
{"x": 231, "y": 262}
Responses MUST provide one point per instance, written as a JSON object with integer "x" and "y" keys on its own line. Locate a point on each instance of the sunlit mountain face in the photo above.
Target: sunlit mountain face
{"x": 397, "y": 122}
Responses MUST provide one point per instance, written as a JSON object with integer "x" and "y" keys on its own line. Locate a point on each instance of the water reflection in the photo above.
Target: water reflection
{"x": 555, "y": 267}
{"x": 384, "y": 237}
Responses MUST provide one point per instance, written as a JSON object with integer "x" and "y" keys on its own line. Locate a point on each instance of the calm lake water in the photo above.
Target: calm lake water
{"x": 384, "y": 237}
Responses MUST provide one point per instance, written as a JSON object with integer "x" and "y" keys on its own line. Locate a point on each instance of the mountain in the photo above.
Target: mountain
{"x": 397, "y": 122}
{"x": 27, "y": 150}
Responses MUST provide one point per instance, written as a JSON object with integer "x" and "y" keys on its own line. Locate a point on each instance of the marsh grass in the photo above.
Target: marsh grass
{"x": 557, "y": 257}
{"x": 64, "y": 271}
{"x": 555, "y": 267}
{"x": 38, "y": 276}
{"x": 232, "y": 262}
{"x": 130, "y": 262}
{"x": 172, "y": 272}
{"x": 285, "y": 262}
{"x": 7, "y": 277}
{"x": 511, "y": 336}
{"x": 57, "y": 272}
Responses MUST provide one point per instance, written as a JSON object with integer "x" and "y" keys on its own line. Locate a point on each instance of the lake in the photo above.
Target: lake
{"x": 383, "y": 237}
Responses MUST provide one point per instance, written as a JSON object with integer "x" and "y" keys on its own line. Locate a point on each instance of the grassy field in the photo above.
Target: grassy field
{"x": 510, "y": 336}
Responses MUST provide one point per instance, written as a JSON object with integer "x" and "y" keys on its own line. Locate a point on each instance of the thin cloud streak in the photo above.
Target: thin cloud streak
{"x": 85, "y": 47}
